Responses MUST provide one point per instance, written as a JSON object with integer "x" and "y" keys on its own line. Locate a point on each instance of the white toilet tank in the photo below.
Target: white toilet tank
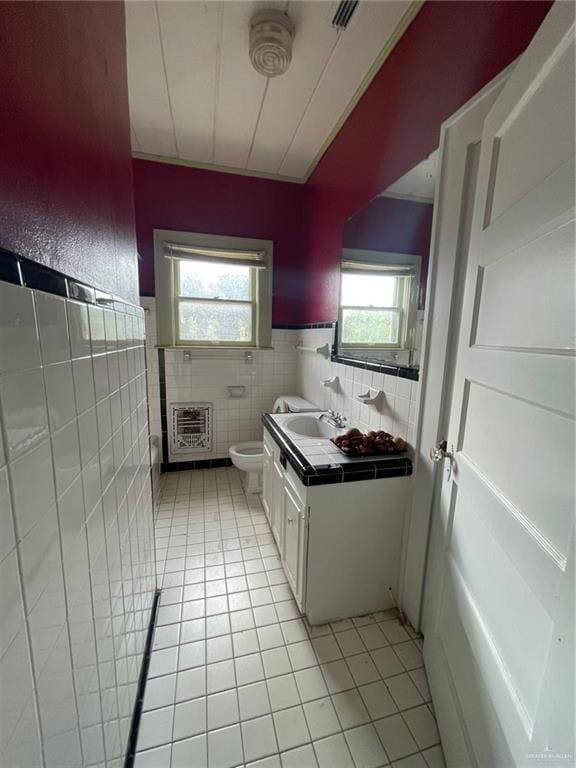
{"x": 293, "y": 404}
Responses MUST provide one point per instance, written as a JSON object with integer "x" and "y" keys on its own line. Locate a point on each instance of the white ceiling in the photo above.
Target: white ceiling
{"x": 194, "y": 96}
{"x": 417, "y": 184}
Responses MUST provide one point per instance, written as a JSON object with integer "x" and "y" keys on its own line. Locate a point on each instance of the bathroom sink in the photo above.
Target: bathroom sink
{"x": 310, "y": 426}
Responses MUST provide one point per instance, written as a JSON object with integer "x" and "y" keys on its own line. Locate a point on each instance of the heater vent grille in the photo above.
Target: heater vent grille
{"x": 344, "y": 13}
{"x": 191, "y": 427}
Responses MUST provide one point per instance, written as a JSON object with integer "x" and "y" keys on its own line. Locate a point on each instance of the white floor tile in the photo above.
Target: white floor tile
{"x": 239, "y": 678}
{"x": 155, "y": 728}
{"x": 154, "y": 758}
{"x": 321, "y": 718}
{"x": 350, "y": 642}
{"x": 276, "y": 662}
{"x": 249, "y": 669}
{"x": 225, "y": 748}
{"x": 283, "y": 692}
{"x": 395, "y": 737}
{"x": 189, "y": 719}
{"x": 302, "y": 655}
{"x": 291, "y": 728}
{"x": 327, "y": 649}
{"x": 259, "y": 738}
{"x": 423, "y": 726}
{"x": 350, "y": 708}
{"x": 337, "y": 676}
{"x": 190, "y": 752}
{"x": 160, "y": 692}
{"x": 365, "y": 747}
{"x": 301, "y": 757}
{"x": 270, "y": 637}
{"x": 404, "y": 692}
{"x": 220, "y": 676}
{"x": 253, "y": 700}
{"x": 222, "y": 709}
{"x": 190, "y": 684}
{"x": 333, "y": 752}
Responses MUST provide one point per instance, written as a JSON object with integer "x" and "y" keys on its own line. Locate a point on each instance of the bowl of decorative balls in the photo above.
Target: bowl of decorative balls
{"x": 357, "y": 443}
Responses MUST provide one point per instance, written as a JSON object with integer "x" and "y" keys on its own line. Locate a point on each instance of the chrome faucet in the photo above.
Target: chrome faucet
{"x": 335, "y": 419}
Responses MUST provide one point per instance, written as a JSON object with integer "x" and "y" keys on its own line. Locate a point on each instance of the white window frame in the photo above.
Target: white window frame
{"x": 405, "y": 305}
{"x": 167, "y": 288}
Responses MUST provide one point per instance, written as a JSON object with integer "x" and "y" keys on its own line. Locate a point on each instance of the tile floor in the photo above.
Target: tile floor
{"x": 238, "y": 678}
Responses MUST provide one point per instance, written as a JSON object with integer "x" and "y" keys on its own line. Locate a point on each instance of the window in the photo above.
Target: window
{"x": 376, "y": 305}
{"x": 213, "y": 291}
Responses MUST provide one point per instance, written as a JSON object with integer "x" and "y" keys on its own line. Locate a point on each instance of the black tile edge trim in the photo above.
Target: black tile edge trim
{"x": 163, "y": 413}
{"x": 401, "y": 371}
{"x": 26, "y": 273}
{"x": 137, "y": 713}
{"x": 179, "y": 466}
{"x": 300, "y": 326}
{"x": 324, "y": 474}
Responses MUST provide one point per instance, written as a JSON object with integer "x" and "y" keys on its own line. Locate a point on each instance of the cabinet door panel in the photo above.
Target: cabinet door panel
{"x": 267, "y": 481}
{"x": 277, "y": 505}
{"x": 293, "y": 554}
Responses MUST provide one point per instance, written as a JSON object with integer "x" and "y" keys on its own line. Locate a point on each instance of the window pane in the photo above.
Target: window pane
{"x": 205, "y": 321}
{"x": 370, "y": 326}
{"x": 202, "y": 280}
{"x": 370, "y": 290}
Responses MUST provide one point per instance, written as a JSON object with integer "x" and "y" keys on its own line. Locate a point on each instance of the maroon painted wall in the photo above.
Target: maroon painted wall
{"x": 396, "y": 226}
{"x": 66, "y": 181}
{"x": 192, "y": 200}
{"x": 448, "y": 53}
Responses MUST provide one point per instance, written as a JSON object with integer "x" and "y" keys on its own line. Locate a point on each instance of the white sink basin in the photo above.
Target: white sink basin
{"x": 310, "y": 426}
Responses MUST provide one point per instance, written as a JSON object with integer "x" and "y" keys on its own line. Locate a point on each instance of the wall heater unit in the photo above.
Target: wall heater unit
{"x": 191, "y": 427}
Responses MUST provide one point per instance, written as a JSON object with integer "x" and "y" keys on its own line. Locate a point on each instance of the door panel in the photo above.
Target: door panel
{"x": 504, "y": 607}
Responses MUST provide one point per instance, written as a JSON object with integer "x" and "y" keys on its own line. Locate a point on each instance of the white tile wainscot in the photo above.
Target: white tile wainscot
{"x": 76, "y": 531}
{"x": 207, "y": 375}
{"x": 398, "y": 413}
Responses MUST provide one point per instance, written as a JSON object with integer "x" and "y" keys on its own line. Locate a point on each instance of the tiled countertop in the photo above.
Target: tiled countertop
{"x": 317, "y": 461}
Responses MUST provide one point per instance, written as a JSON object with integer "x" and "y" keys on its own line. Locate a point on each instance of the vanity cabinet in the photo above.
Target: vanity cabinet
{"x": 339, "y": 543}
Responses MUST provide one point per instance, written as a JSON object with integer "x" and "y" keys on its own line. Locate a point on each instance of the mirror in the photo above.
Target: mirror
{"x": 384, "y": 272}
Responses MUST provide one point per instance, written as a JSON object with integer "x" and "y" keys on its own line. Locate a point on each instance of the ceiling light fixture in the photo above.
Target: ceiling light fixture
{"x": 271, "y": 36}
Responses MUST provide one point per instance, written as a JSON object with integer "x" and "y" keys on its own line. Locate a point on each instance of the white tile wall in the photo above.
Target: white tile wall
{"x": 76, "y": 539}
{"x": 398, "y": 412}
{"x": 272, "y": 373}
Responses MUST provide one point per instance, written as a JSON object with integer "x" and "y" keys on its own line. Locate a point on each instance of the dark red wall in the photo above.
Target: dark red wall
{"x": 193, "y": 200}
{"x": 448, "y": 53}
{"x": 66, "y": 181}
{"x": 396, "y": 226}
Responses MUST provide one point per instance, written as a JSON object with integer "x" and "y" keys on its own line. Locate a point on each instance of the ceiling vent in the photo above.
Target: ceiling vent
{"x": 344, "y": 13}
{"x": 271, "y": 36}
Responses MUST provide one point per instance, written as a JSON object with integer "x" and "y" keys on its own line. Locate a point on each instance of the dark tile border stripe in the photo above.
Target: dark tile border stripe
{"x": 18, "y": 270}
{"x": 324, "y": 474}
{"x": 137, "y": 713}
{"x": 179, "y": 466}
{"x": 163, "y": 405}
{"x": 301, "y": 326}
{"x": 392, "y": 370}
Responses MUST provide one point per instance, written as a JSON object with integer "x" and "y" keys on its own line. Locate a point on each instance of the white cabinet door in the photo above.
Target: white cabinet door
{"x": 500, "y": 651}
{"x": 293, "y": 553}
{"x": 277, "y": 504}
{"x": 267, "y": 481}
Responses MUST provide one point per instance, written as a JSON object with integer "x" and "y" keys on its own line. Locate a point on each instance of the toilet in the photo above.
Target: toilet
{"x": 249, "y": 457}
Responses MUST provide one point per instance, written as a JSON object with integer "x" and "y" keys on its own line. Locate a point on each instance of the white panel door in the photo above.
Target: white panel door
{"x": 500, "y": 647}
